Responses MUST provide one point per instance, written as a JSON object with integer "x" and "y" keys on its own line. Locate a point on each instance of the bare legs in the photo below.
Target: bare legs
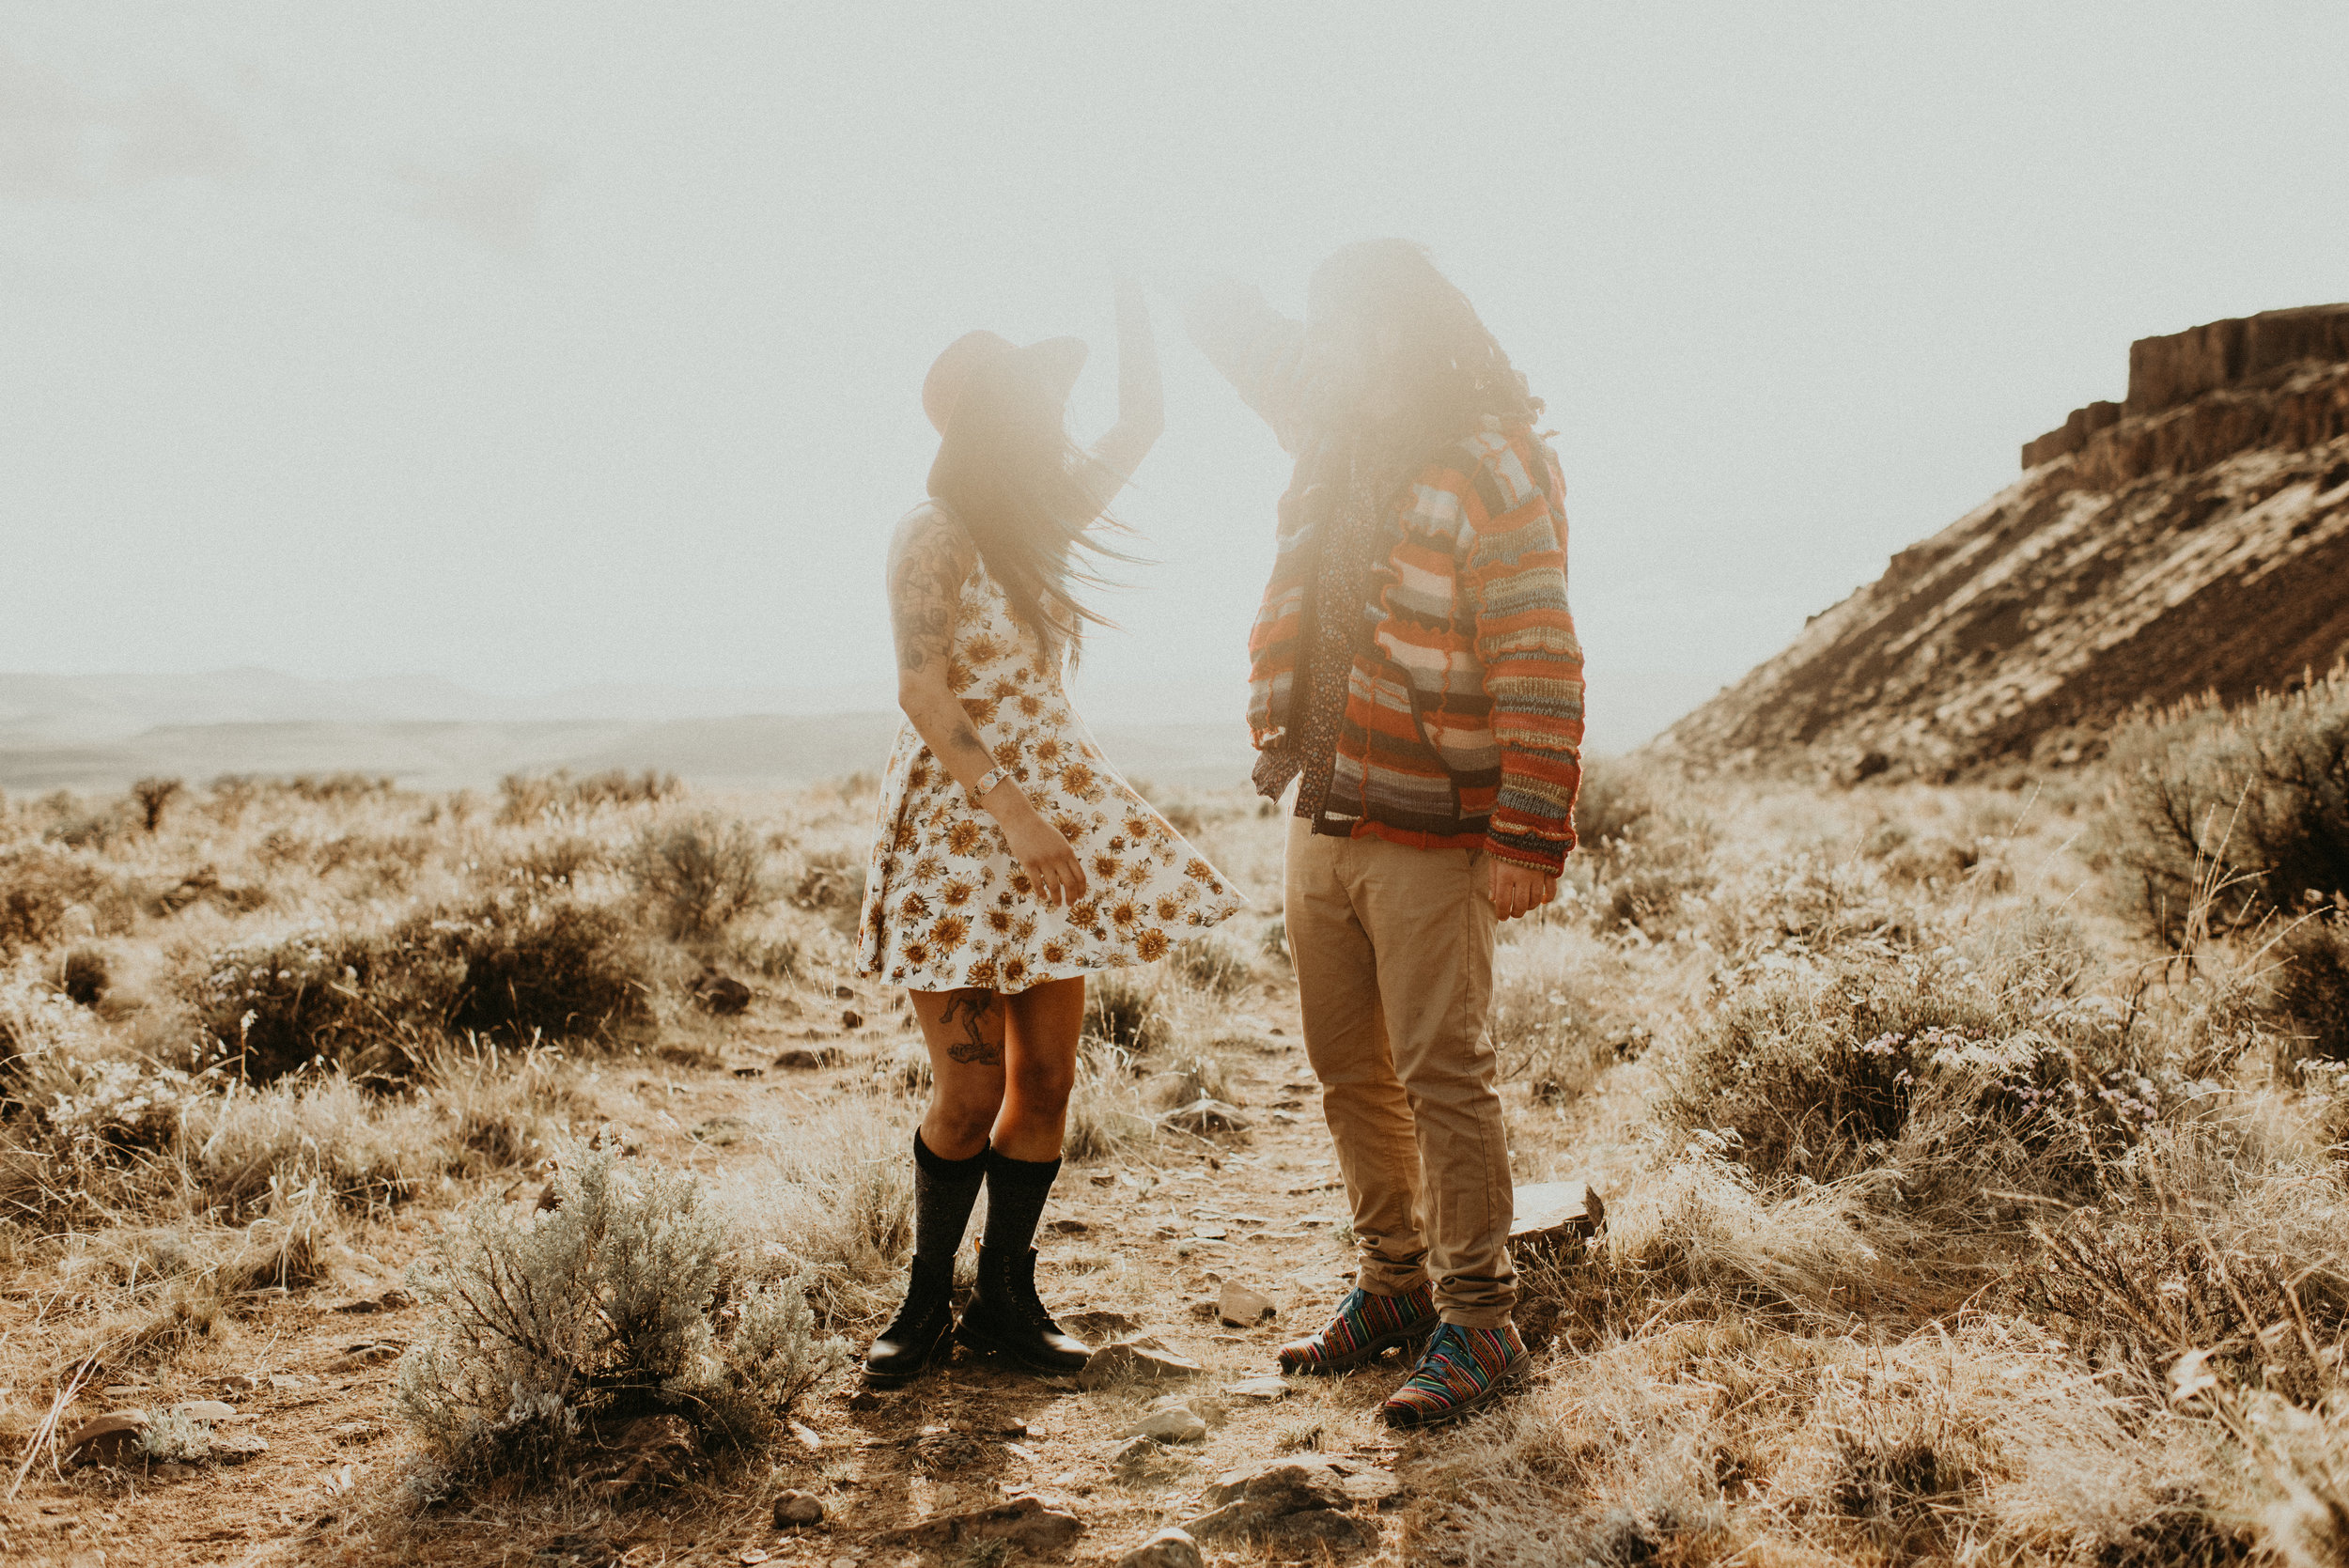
{"x": 1003, "y": 1065}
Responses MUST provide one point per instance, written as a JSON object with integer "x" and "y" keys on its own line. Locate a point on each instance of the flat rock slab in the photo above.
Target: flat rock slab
{"x": 1266, "y": 1388}
{"x": 1548, "y": 1212}
{"x": 1171, "y": 1547}
{"x": 1134, "y": 1361}
{"x": 112, "y": 1438}
{"x": 1242, "y": 1307}
{"x": 1025, "y": 1522}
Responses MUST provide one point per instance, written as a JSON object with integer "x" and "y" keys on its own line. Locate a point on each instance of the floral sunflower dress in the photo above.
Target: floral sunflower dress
{"x": 945, "y": 905}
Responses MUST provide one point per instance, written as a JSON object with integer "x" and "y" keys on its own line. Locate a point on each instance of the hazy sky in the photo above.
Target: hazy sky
{"x": 532, "y": 345}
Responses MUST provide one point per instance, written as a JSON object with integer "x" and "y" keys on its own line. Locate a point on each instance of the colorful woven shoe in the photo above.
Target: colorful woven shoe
{"x": 1364, "y": 1325}
{"x": 1464, "y": 1369}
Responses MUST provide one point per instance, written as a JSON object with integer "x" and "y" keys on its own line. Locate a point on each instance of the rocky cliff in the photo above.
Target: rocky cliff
{"x": 2191, "y": 538}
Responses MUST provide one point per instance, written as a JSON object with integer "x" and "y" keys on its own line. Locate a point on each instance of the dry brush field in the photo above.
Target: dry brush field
{"x": 512, "y": 1179}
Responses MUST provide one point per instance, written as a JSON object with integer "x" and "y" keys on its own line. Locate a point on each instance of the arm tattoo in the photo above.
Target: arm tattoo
{"x": 927, "y": 566}
{"x": 970, "y": 1015}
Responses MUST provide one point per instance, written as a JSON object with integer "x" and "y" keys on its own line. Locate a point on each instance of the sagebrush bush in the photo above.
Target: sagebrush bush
{"x": 700, "y": 874}
{"x": 556, "y": 1325}
{"x": 370, "y": 1003}
{"x": 1953, "y": 1079}
{"x": 2311, "y": 989}
{"x": 2243, "y": 812}
{"x": 526, "y": 798}
{"x": 1215, "y": 963}
{"x": 40, "y": 888}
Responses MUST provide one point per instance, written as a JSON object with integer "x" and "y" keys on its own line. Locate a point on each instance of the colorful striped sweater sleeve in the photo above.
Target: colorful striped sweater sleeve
{"x": 1514, "y": 570}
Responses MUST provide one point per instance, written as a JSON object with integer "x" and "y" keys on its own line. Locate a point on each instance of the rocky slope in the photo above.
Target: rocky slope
{"x": 2192, "y": 537}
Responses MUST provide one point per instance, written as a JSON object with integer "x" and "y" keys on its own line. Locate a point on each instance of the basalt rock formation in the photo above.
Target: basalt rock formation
{"x": 2191, "y": 538}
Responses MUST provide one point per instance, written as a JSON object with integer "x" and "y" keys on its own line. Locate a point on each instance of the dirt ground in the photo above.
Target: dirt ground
{"x": 1139, "y": 1243}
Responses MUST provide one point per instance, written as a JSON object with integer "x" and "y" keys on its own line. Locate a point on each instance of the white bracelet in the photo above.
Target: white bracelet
{"x": 988, "y": 780}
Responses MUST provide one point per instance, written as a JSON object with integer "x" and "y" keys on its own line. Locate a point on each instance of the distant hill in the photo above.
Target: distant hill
{"x": 2193, "y": 538}
{"x": 763, "y": 751}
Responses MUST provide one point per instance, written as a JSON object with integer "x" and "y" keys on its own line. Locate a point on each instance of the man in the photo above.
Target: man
{"x": 1414, "y": 670}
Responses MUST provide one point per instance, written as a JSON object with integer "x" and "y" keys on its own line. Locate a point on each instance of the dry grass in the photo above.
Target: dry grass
{"x": 1953, "y": 1216}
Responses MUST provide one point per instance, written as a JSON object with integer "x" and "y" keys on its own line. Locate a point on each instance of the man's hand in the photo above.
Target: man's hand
{"x": 1520, "y": 890}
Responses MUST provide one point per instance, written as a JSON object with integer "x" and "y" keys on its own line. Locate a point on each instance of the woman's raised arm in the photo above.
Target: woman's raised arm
{"x": 1140, "y": 399}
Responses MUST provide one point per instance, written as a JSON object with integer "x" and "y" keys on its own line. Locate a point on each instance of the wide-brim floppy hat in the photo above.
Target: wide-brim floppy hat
{"x": 1051, "y": 366}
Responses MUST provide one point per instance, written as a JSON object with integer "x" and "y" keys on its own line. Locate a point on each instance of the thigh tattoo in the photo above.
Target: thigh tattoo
{"x": 967, "y": 1015}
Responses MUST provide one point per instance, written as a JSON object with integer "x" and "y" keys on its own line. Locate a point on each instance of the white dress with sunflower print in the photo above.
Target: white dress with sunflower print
{"x": 945, "y": 905}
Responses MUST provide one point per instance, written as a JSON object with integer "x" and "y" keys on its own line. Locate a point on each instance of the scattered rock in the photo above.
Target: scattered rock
{"x": 1025, "y": 1522}
{"x": 1133, "y": 1454}
{"x": 1171, "y": 1547}
{"x": 1133, "y": 1361}
{"x": 1204, "y": 1114}
{"x": 851, "y": 1018}
{"x": 798, "y": 1507}
{"x": 112, "y": 1438}
{"x": 1176, "y": 1423}
{"x": 1377, "y": 1487}
{"x": 1242, "y": 1307}
{"x": 843, "y": 993}
{"x": 205, "y": 1410}
{"x": 804, "y": 1059}
{"x": 716, "y": 992}
{"x": 367, "y": 1353}
{"x": 1551, "y": 1212}
{"x": 1071, "y": 1227}
{"x": 238, "y": 1383}
{"x": 1291, "y": 1504}
{"x": 235, "y": 1448}
{"x": 1266, "y": 1388}
{"x": 289, "y": 1382}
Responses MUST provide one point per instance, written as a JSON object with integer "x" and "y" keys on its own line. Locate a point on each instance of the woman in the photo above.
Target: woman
{"x": 1009, "y": 859}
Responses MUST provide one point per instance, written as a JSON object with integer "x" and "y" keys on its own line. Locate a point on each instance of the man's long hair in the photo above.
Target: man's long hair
{"x": 1453, "y": 372}
{"x": 1028, "y": 495}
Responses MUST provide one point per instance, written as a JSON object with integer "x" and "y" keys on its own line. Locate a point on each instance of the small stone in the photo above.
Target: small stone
{"x": 798, "y": 1507}
{"x": 1134, "y": 1360}
{"x": 1171, "y": 1547}
{"x": 238, "y": 1383}
{"x": 1243, "y": 1308}
{"x": 804, "y": 1059}
{"x": 1176, "y": 1423}
{"x": 717, "y": 993}
{"x": 1268, "y": 1389}
{"x": 1133, "y": 1453}
{"x": 205, "y": 1410}
{"x": 842, "y": 993}
{"x": 108, "y": 1439}
{"x": 1548, "y": 1213}
{"x": 1071, "y": 1227}
{"x": 235, "y": 1448}
{"x": 290, "y": 1381}
{"x": 851, "y": 1018}
{"x": 367, "y": 1354}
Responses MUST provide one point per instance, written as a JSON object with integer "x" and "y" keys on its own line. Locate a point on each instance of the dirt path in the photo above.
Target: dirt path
{"x": 1141, "y": 1243}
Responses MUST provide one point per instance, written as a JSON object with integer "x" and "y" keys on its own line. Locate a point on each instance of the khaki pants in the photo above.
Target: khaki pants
{"x": 1393, "y": 949}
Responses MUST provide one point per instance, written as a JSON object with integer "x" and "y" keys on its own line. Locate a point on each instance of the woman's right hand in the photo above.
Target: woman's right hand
{"x": 1043, "y": 853}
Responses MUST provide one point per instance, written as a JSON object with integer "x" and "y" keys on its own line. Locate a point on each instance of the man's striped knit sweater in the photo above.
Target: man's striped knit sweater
{"x": 1463, "y": 723}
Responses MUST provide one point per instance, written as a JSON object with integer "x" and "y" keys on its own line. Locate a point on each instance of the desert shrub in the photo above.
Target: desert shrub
{"x": 370, "y": 1003}
{"x": 558, "y": 1326}
{"x": 1922, "y": 1068}
{"x": 357, "y": 1149}
{"x": 1215, "y": 963}
{"x": 334, "y": 787}
{"x": 85, "y": 976}
{"x": 2241, "y": 813}
{"x": 525, "y": 798}
{"x": 700, "y": 874}
{"x": 38, "y": 889}
{"x": 830, "y": 883}
{"x": 152, "y": 796}
{"x": 2309, "y": 988}
{"x": 1615, "y": 798}
{"x": 1122, "y": 1012}
{"x": 558, "y": 861}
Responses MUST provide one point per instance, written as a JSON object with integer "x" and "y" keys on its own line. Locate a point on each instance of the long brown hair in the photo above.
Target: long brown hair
{"x": 1028, "y": 495}
{"x": 1453, "y": 371}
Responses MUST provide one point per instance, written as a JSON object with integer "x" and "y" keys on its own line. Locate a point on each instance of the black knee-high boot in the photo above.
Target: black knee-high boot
{"x": 943, "y": 1191}
{"x": 1008, "y": 1315}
